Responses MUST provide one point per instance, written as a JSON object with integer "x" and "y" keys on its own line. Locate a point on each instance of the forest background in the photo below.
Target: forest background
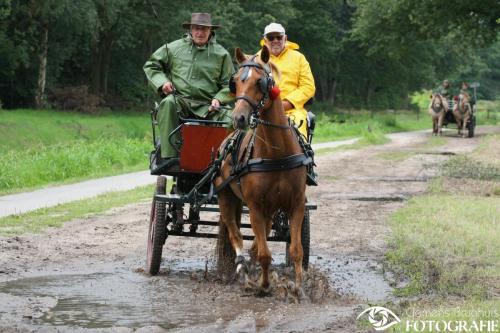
{"x": 371, "y": 54}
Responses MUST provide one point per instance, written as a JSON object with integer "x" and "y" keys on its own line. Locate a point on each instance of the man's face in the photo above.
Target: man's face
{"x": 446, "y": 84}
{"x": 275, "y": 42}
{"x": 200, "y": 34}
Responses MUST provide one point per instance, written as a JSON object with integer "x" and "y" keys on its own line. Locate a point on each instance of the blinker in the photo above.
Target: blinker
{"x": 244, "y": 74}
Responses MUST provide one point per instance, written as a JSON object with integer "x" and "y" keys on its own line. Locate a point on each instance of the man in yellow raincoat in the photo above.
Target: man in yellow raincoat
{"x": 296, "y": 82}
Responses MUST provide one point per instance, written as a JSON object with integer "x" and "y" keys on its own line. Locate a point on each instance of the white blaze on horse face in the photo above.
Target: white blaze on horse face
{"x": 239, "y": 252}
{"x": 249, "y": 73}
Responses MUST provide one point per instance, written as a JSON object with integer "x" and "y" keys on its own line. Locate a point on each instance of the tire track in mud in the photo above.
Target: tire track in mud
{"x": 86, "y": 276}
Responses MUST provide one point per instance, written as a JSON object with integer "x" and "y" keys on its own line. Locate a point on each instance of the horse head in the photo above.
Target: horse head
{"x": 463, "y": 102}
{"x": 437, "y": 101}
{"x": 251, "y": 84}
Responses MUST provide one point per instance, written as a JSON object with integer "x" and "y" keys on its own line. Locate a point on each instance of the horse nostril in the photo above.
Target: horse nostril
{"x": 241, "y": 121}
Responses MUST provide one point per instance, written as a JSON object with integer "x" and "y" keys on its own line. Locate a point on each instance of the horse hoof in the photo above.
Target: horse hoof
{"x": 264, "y": 292}
{"x": 241, "y": 265}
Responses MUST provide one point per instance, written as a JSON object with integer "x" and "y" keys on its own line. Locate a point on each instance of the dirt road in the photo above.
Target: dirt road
{"x": 87, "y": 276}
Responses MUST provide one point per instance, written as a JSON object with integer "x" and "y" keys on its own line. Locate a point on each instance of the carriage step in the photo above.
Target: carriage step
{"x": 214, "y": 224}
{"x": 309, "y": 206}
{"x": 174, "y": 198}
{"x": 208, "y": 235}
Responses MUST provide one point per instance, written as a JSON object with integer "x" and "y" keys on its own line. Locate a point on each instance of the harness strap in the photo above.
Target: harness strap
{"x": 266, "y": 165}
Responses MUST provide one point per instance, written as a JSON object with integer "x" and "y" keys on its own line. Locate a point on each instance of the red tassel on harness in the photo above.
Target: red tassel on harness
{"x": 274, "y": 93}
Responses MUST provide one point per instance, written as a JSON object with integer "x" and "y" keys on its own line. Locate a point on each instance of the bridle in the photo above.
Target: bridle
{"x": 265, "y": 83}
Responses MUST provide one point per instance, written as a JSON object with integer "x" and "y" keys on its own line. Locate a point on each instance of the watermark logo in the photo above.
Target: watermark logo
{"x": 423, "y": 320}
{"x": 380, "y": 317}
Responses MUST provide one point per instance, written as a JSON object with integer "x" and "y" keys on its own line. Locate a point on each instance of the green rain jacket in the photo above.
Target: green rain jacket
{"x": 199, "y": 73}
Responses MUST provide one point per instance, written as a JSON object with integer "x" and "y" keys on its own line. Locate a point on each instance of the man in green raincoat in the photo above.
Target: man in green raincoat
{"x": 192, "y": 76}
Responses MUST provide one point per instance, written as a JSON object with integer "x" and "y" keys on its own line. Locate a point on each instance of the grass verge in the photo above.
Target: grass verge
{"x": 445, "y": 243}
{"x": 373, "y": 136}
{"x": 39, "y": 220}
{"x": 70, "y": 162}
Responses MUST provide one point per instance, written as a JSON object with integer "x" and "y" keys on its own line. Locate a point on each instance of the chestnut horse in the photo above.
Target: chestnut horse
{"x": 437, "y": 110}
{"x": 462, "y": 111}
{"x": 265, "y": 190}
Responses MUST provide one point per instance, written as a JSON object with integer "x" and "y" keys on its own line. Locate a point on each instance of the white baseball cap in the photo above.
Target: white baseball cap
{"x": 274, "y": 27}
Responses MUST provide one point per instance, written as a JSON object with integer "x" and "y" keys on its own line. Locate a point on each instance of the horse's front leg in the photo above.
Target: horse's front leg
{"x": 464, "y": 124}
{"x": 296, "y": 251}
{"x": 440, "y": 124}
{"x": 260, "y": 224}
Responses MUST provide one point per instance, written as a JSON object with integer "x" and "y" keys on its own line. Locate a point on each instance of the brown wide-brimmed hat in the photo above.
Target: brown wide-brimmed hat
{"x": 204, "y": 19}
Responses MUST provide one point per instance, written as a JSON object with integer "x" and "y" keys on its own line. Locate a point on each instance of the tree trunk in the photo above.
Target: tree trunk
{"x": 106, "y": 48}
{"x": 95, "y": 72}
{"x": 42, "y": 70}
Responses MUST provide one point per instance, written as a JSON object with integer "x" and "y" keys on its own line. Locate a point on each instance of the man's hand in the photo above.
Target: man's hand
{"x": 167, "y": 88}
{"x": 287, "y": 105}
{"x": 214, "y": 106}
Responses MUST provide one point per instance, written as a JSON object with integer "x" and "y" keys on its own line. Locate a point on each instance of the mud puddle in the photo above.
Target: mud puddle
{"x": 117, "y": 296}
{"x": 122, "y": 298}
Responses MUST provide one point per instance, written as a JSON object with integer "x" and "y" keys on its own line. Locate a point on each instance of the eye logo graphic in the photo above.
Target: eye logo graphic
{"x": 379, "y": 317}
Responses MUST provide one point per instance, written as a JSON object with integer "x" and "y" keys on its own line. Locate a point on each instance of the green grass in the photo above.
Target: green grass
{"x": 343, "y": 125}
{"x": 70, "y": 162}
{"x": 42, "y": 147}
{"x": 446, "y": 242}
{"x": 465, "y": 167}
{"x": 39, "y": 220}
{"x": 368, "y": 137}
{"x": 25, "y": 128}
{"x": 448, "y": 245}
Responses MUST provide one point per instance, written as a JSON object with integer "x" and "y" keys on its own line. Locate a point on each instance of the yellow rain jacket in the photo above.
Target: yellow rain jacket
{"x": 296, "y": 82}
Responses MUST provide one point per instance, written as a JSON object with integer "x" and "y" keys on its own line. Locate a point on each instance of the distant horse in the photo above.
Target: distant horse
{"x": 437, "y": 110}
{"x": 273, "y": 164}
{"x": 462, "y": 112}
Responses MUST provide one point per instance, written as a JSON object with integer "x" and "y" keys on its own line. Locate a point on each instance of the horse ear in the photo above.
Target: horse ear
{"x": 239, "y": 55}
{"x": 264, "y": 54}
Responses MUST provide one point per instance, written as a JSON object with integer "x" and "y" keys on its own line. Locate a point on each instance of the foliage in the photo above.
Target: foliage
{"x": 363, "y": 53}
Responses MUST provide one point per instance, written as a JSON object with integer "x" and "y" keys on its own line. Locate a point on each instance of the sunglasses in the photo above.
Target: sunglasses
{"x": 271, "y": 38}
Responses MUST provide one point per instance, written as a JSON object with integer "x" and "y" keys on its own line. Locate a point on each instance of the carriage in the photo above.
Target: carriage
{"x": 178, "y": 212}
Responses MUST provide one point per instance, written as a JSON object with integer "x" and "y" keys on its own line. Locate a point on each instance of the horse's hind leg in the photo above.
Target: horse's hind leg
{"x": 230, "y": 216}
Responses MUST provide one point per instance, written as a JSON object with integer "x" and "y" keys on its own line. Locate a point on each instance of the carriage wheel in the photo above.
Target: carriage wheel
{"x": 306, "y": 242}
{"x": 472, "y": 126}
{"x": 157, "y": 229}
